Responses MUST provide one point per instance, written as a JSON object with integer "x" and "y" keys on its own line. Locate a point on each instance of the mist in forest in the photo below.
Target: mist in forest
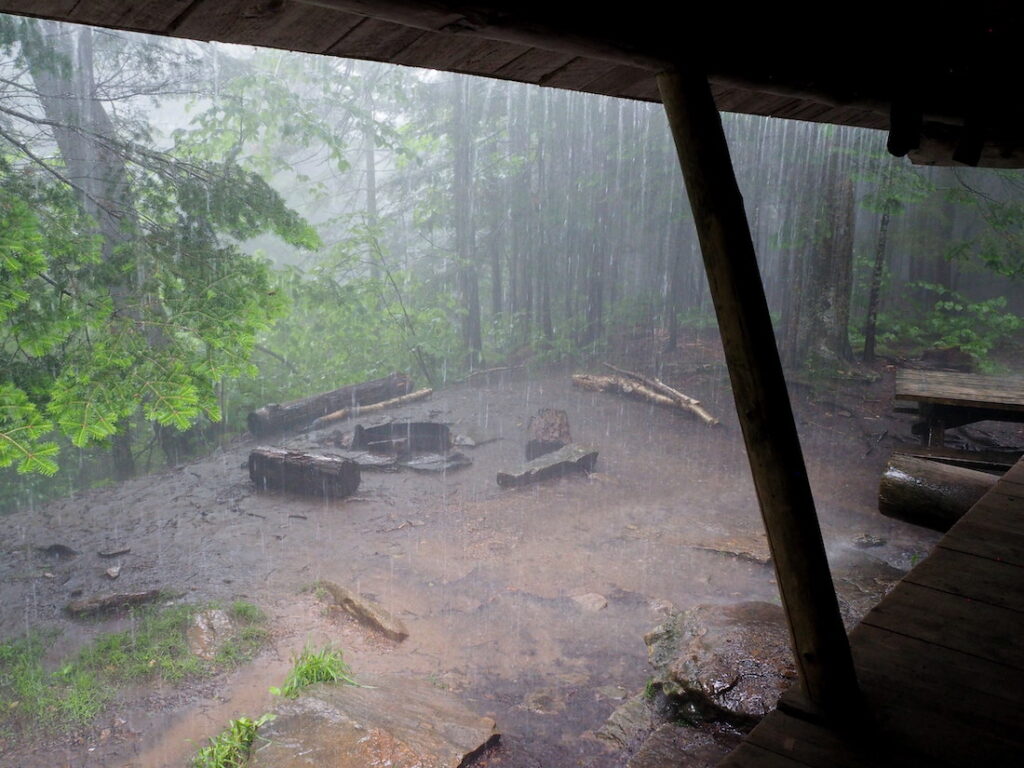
{"x": 312, "y": 221}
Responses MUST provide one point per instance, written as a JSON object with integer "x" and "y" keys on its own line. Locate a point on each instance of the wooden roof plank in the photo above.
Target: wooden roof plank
{"x": 577, "y": 73}
{"x": 145, "y": 15}
{"x": 297, "y": 27}
{"x": 376, "y": 40}
{"x": 533, "y": 65}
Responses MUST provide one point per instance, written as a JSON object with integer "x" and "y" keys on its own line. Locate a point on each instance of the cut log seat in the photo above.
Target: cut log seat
{"x": 323, "y": 475}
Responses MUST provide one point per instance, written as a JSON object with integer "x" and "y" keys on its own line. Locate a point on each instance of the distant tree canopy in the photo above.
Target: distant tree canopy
{"x": 178, "y": 217}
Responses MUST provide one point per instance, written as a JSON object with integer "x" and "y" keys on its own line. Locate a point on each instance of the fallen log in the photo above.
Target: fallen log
{"x": 277, "y": 417}
{"x": 361, "y": 410}
{"x": 90, "y": 606}
{"x": 568, "y": 460}
{"x": 638, "y": 391}
{"x": 323, "y": 475}
{"x": 403, "y": 437}
{"x": 929, "y": 493}
{"x": 547, "y": 431}
{"x": 683, "y": 400}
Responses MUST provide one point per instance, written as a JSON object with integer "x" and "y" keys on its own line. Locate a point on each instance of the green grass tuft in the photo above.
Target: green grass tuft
{"x": 230, "y": 748}
{"x": 155, "y": 644}
{"x": 324, "y": 666}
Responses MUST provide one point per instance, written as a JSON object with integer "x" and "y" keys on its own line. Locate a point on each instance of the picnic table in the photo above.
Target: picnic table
{"x": 945, "y": 400}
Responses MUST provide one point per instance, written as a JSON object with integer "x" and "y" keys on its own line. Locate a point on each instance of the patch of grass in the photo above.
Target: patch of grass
{"x": 324, "y": 666}
{"x": 231, "y": 747}
{"x": 48, "y": 701}
{"x": 650, "y": 689}
{"x": 155, "y": 644}
{"x": 246, "y": 613}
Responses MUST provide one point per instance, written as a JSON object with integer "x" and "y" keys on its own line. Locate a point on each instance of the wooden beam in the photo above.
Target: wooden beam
{"x": 762, "y": 402}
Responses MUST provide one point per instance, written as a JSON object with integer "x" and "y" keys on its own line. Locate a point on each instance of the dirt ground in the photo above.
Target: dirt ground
{"x": 482, "y": 577}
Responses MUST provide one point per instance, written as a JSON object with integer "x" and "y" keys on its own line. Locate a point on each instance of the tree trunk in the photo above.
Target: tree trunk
{"x": 875, "y": 291}
{"x": 461, "y": 133}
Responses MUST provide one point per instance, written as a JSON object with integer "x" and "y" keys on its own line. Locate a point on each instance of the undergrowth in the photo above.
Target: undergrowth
{"x": 231, "y": 747}
{"x": 42, "y": 696}
{"x": 324, "y": 666}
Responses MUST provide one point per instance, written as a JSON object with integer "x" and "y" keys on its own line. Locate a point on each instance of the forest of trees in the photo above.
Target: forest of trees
{"x": 190, "y": 231}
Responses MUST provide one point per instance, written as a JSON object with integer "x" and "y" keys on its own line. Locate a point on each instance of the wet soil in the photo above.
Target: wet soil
{"x": 483, "y": 578}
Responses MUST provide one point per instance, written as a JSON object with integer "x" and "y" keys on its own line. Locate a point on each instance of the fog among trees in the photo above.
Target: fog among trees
{"x": 191, "y": 231}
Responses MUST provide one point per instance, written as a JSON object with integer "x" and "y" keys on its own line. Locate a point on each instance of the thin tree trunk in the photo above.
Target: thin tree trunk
{"x": 875, "y": 291}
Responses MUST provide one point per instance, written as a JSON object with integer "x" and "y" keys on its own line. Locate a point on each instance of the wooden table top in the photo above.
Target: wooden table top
{"x": 1004, "y": 393}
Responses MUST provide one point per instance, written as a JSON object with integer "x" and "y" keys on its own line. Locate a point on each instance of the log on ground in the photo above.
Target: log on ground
{"x": 361, "y": 410}
{"x": 638, "y": 390}
{"x": 547, "y": 431}
{"x": 403, "y": 437}
{"x": 929, "y": 493}
{"x": 321, "y": 475}
{"x": 277, "y": 417}
{"x": 572, "y": 459}
{"x": 91, "y": 606}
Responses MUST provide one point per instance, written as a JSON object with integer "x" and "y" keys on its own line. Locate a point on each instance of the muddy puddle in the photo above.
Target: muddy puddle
{"x": 530, "y": 605}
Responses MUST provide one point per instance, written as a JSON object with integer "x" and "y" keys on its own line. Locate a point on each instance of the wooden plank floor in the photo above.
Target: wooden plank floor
{"x": 940, "y": 660}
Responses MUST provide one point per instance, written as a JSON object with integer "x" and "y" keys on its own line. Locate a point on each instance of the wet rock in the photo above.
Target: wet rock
{"x": 613, "y": 692}
{"x": 398, "y": 722}
{"x": 568, "y": 460}
{"x": 629, "y": 722}
{"x": 57, "y": 551}
{"x": 437, "y": 462}
{"x": 543, "y": 702}
{"x": 113, "y": 572}
{"x": 723, "y": 662}
{"x": 867, "y": 541}
{"x": 591, "y": 602}
{"x": 678, "y": 745}
{"x": 208, "y": 632}
{"x": 366, "y": 612}
{"x": 861, "y": 584}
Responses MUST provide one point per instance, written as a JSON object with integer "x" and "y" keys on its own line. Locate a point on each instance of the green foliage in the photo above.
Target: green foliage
{"x": 949, "y": 319}
{"x": 324, "y": 666}
{"x": 231, "y": 747}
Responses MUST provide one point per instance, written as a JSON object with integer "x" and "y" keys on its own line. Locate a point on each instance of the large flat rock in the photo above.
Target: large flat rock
{"x": 723, "y": 662}
{"x": 400, "y": 723}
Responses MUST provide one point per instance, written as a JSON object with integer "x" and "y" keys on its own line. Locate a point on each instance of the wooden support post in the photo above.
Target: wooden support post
{"x": 762, "y": 402}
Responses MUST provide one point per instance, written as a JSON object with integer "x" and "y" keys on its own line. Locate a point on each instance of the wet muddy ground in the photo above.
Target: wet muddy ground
{"x": 483, "y": 578}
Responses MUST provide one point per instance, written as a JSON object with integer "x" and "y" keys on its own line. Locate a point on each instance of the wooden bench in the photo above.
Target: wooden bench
{"x": 945, "y": 400}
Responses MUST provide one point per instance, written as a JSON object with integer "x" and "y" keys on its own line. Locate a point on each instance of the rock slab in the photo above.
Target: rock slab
{"x": 568, "y": 460}
{"x": 400, "y": 723}
{"x": 208, "y": 632}
{"x": 367, "y": 612}
{"x": 723, "y": 662}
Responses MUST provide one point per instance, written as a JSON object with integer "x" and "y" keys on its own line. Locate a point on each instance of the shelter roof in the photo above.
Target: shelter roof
{"x": 944, "y": 81}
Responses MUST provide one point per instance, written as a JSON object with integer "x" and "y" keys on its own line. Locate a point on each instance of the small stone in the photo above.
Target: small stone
{"x": 114, "y": 572}
{"x": 613, "y": 692}
{"x": 591, "y": 602}
{"x": 104, "y": 734}
{"x": 866, "y": 541}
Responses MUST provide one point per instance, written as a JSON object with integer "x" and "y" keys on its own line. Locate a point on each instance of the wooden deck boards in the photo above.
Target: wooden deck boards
{"x": 940, "y": 660}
